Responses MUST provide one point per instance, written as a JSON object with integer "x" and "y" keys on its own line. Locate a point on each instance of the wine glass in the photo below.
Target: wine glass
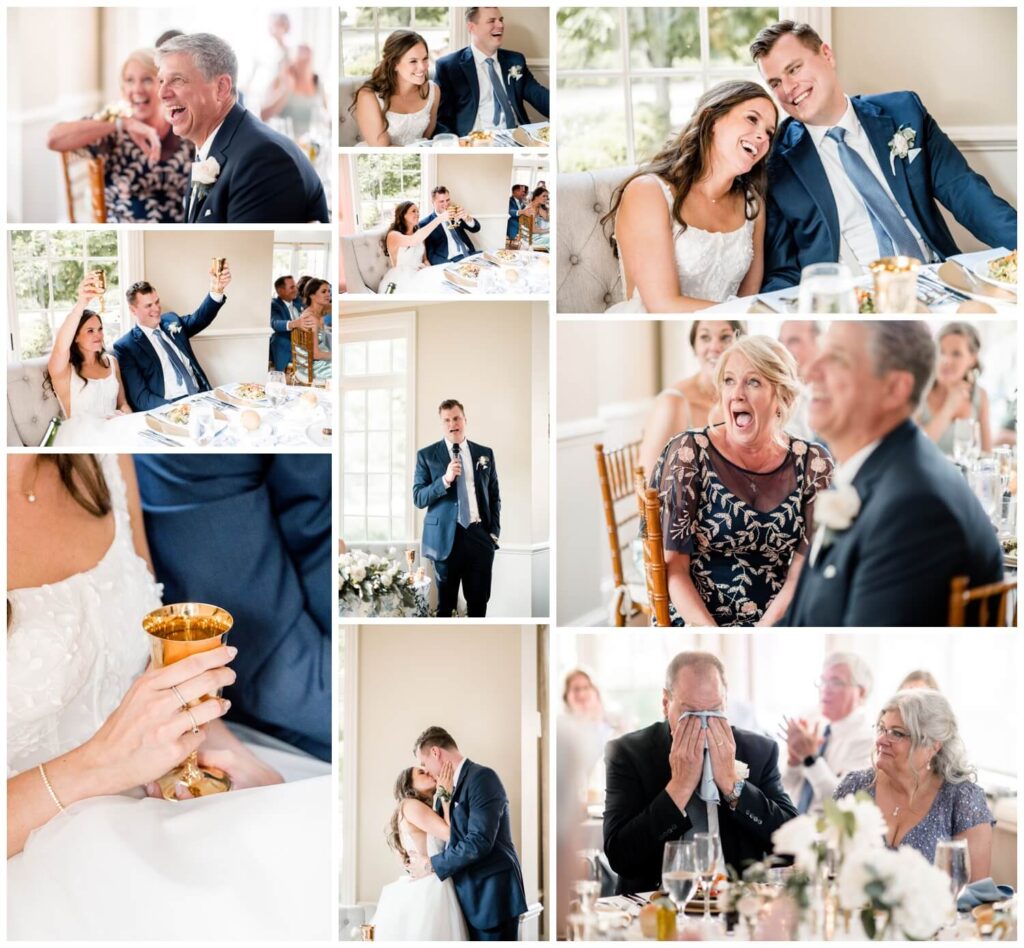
{"x": 952, "y": 857}
{"x": 679, "y": 871}
{"x": 708, "y": 850}
{"x": 966, "y": 440}
{"x": 986, "y": 482}
{"x": 176, "y": 632}
{"x": 827, "y": 288}
{"x": 1004, "y": 458}
{"x": 276, "y": 388}
{"x": 202, "y": 422}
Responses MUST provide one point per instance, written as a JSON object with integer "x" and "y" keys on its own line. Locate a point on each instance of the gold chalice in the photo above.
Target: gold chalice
{"x": 176, "y": 632}
{"x": 217, "y": 265}
{"x": 101, "y": 285}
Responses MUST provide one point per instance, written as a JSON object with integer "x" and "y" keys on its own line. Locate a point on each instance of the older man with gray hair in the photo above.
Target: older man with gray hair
{"x": 899, "y": 521}
{"x": 818, "y": 758}
{"x": 244, "y": 172}
{"x": 692, "y": 772}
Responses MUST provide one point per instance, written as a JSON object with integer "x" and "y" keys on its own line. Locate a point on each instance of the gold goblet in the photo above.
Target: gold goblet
{"x": 176, "y": 632}
{"x": 101, "y": 285}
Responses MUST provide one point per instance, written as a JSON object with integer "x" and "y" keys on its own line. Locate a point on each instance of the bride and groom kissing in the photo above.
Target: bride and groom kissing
{"x": 737, "y": 204}
{"x": 451, "y": 830}
{"x": 480, "y": 87}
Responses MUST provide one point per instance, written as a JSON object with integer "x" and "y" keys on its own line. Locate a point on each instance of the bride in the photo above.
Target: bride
{"x": 90, "y": 728}
{"x": 403, "y": 246}
{"x": 85, "y": 378}
{"x": 397, "y": 105}
{"x": 424, "y": 909}
{"x": 689, "y": 225}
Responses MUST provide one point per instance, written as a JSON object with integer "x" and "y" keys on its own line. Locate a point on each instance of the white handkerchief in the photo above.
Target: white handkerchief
{"x": 912, "y": 154}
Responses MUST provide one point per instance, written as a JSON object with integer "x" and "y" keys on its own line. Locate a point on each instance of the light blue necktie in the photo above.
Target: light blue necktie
{"x": 501, "y": 101}
{"x": 890, "y": 229}
{"x": 462, "y": 490}
{"x": 806, "y": 790}
{"x": 708, "y": 790}
{"x": 181, "y": 372}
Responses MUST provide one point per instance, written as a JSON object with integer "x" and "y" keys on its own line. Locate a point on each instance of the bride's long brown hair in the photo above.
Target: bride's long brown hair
{"x": 397, "y": 223}
{"x": 685, "y": 159}
{"x": 404, "y": 790}
{"x": 383, "y": 80}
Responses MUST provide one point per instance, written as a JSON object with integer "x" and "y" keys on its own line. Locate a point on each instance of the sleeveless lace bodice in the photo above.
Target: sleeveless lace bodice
{"x": 710, "y": 266}
{"x": 74, "y": 647}
{"x": 404, "y": 129}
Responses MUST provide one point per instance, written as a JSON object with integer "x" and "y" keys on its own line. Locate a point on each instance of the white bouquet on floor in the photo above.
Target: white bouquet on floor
{"x": 370, "y": 585}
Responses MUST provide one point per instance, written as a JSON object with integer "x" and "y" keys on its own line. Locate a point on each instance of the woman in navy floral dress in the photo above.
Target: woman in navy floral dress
{"x": 738, "y": 497}
{"x": 922, "y": 781}
{"x": 146, "y": 167}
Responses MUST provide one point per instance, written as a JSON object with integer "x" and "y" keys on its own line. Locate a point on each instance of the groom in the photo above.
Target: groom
{"x": 244, "y": 172}
{"x": 484, "y": 87}
{"x": 457, "y": 482}
{"x": 855, "y": 179}
{"x": 156, "y": 358}
{"x": 480, "y": 856}
{"x": 448, "y": 244}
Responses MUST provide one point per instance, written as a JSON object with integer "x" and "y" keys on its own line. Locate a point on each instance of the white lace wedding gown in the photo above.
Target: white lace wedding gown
{"x": 410, "y": 262}
{"x": 250, "y": 864}
{"x": 92, "y": 403}
{"x": 710, "y": 266}
{"x": 404, "y": 129}
{"x": 424, "y": 909}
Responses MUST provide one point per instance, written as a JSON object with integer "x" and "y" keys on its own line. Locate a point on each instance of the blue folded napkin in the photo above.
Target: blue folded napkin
{"x": 981, "y": 892}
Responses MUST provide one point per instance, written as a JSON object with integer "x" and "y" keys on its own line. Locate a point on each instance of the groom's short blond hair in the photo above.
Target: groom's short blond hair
{"x": 770, "y": 35}
{"x": 435, "y": 737}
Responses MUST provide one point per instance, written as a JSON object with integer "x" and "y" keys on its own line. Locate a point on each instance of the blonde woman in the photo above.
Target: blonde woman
{"x": 738, "y": 496}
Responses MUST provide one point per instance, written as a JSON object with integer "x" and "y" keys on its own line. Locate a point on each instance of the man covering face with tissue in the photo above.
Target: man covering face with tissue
{"x": 690, "y": 773}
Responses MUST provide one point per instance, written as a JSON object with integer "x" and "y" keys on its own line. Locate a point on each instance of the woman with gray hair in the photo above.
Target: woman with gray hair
{"x": 922, "y": 780}
{"x": 738, "y": 496}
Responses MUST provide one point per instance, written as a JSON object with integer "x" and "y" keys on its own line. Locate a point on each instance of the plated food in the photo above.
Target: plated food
{"x": 504, "y": 257}
{"x": 252, "y": 391}
{"x": 1004, "y": 269}
{"x": 176, "y": 414}
{"x": 478, "y": 138}
{"x": 464, "y": 274}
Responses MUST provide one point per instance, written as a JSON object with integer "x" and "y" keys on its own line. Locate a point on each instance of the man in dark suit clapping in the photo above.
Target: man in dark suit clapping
{"x": 457, "y": 483}
{"x": 690, "y": 773}
{"x": 899, "y": 521}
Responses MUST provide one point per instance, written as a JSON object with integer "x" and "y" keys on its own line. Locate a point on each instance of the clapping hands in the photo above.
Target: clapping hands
{"x": 801, "y": 740}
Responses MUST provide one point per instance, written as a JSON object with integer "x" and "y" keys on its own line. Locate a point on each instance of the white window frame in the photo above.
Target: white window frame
{"x": 705, "y": 72}
{"x": 365, "y": 329}
{"x": 532, "y": 167}
{"x": 295, "y": 247}
{"x": 426, "y": 172}
{"x": 57, "y": 317}
{"x": 380, "y": 33}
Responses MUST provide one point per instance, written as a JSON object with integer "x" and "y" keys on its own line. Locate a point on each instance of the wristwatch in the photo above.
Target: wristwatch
{"x": 733, "y": 798}
{"x": 809, "y": 760}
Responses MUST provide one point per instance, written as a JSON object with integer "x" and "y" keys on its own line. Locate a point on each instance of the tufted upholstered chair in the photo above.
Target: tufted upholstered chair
{"x": 29, "y": 408}
{"x": 588, "y": 272}
{"x": 363, "y": 261}
{"x": 348, "y": 131}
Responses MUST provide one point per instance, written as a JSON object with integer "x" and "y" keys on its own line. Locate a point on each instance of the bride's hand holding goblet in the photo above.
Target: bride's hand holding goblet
{"x": 150, "y": 732}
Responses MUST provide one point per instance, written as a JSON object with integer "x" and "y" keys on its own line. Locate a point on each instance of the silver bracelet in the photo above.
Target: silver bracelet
{"x": 49, "y": 789}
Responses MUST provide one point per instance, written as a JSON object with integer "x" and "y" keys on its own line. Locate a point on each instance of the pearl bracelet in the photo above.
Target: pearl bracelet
{"x": 49, "y": 789}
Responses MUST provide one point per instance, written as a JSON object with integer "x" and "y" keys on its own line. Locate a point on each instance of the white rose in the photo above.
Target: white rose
{"x": 797, "y": 838}
{"x": 385, "y": 580}
{"x": 374, "y": 560}
{"x": 837, "y": 508}
{"x": 900, "y": 148}
{"x": 357, "y": 573}
{"x": 205, "y": 172}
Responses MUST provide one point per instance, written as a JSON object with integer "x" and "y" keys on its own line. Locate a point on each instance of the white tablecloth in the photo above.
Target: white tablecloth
{"x": 534, "y": 279}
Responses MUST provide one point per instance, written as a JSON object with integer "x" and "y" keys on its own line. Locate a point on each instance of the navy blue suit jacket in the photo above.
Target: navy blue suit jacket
{"x": 803, "y": 223}
{"x": 460, "y": 90}
{"x": 442, "y": 503}
{"x": 512, "y": 229}
{"x": 919, "y": 526}
{"x": 252, "y": 533}
{"x": 437, "y": 244}
{"x": 141, "y": 371}
{"x": 480, "y": 856}
{"x": 281, "y": 341}
{"x": 639, "y": 816}
{"x": 265, "y": 178}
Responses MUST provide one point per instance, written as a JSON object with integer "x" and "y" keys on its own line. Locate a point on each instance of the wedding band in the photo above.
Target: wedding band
{"x": 177, "y": 694}
{"x": 719, "y": 743}
{"x": 192, "y": 718}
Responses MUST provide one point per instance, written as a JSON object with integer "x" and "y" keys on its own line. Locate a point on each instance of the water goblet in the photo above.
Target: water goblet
{"x": 827, "y": 288}
{"x": 202, "y": 422}
{"x": 176, "y": 632}
{"x": 276, "y": 388}
{"x": 679, "y": 872}
{"x": 708, "y": 850}
{"x": 953, "y": 858}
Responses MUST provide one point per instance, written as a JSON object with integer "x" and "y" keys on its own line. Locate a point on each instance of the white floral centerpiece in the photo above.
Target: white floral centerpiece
{"x": 370, "y": 585}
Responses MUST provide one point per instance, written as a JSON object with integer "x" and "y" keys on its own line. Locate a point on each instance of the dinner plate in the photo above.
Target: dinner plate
{"x": 315, "y": 433}
{"x": 978, "y": 266}
{"x": 231, "y": 389}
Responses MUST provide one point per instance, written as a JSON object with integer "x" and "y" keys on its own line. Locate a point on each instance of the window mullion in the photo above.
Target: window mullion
{"x": 627, "y": 85}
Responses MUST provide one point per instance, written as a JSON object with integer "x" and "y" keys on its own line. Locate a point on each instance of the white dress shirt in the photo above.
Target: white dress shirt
{"x": 467, "y": 469}
{"x": 845, "y": 472}
{"x": 850, "y": 746}
{"x": 485, "y": 111}
{"x": 859, "y": 245}
{"x": 203, "y": 151}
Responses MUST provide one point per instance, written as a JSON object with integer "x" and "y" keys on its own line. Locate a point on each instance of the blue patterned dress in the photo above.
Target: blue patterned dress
{"x": 956, "y": 808}
{"x": 740, "y": 528}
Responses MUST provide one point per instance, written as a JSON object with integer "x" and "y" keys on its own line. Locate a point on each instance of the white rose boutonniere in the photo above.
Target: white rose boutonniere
{"x": 834, "y": 511}
{"x": 204, "y": 174}
{"x": 174, "y": 328}
{"x": 516, "y": 72}
{"x": 901, "y": 145}
{"x": 742, "y": 770}
{"x": 482, "y": 461}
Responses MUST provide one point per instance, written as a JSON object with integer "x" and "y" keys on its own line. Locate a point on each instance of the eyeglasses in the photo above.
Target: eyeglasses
{"x": 833, "y": 683}
{"x": 892, "y": 733}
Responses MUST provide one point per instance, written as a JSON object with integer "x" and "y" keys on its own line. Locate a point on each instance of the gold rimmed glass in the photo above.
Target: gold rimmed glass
{"x": 101, "y": 285}
{"x": 176, "y": 632}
